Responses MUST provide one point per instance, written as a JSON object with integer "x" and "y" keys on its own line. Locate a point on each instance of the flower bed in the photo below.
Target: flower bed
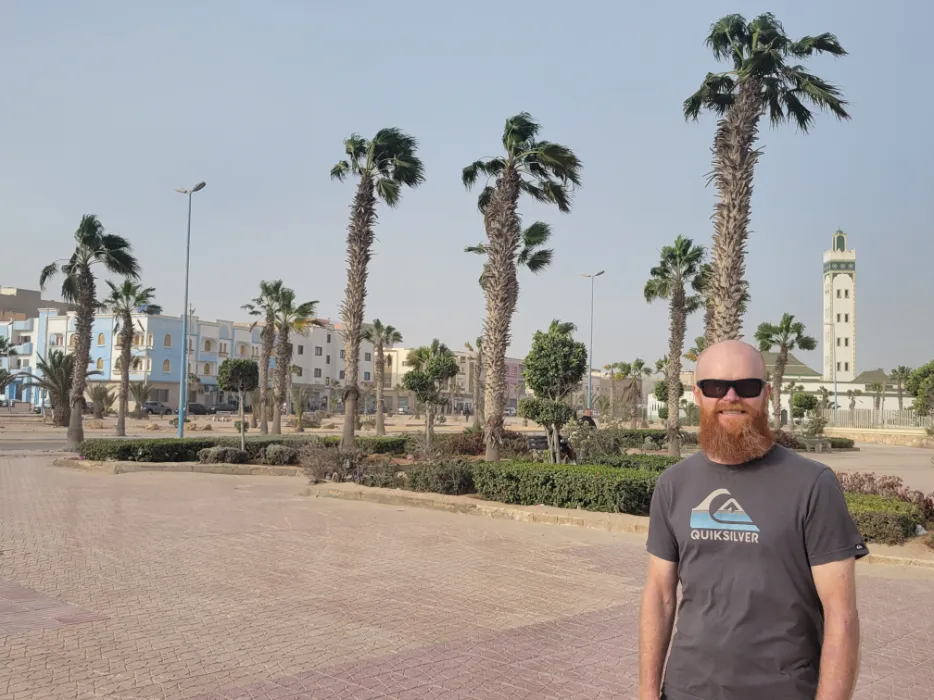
{"x": 881, "y": 519}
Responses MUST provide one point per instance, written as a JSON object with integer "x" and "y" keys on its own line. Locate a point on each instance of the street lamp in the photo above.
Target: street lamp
{"x": 183, "y": 381}
{"x": 590, "y": 352}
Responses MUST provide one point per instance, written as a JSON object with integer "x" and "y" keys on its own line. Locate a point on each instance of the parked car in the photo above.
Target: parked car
{"x": 403, "y": 411}
{"x": 225, "y": 407}
{"x": 156, "y": 408}
{"x": 510, "y": 411}
{"x": 196, "y": 409}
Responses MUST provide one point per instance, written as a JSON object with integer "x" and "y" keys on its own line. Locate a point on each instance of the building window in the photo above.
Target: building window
{"x": 166, "y": 366}
{"x": 160, "y": 395}
{"x": 341, "y": 375}
{"x": 223, "y": 349}
{"x": 73, "y": 340}
{"x": 846, "y": 293}
{"x": 100, "y": 363}
{"x": 838, "y": 342}
{"x": 149, "y": 364}
{"x": 838, "y": 294}
{"x": 137, "y": 340}
{"x": 838, "y": 318}
{"x": 366, "y": 376}
{"x": 317, "y": 373}
{"x": 208, "y": 346}
{"x": 136, "y": 365}
{"x": 100, "y": 339}
{"x": 319, "y": 351}
{"x": 846, "y": 317}
{"x": 846, "y": 342}
{"x": 149, "y": 344}
{"x": 329, "y": 337}
{"x": 301, "y": 349}
{"x": 838, "y": 366}
{"x": 167, "y": 341}
{"x": 207, "y": 368}
{"x": 343, "y": 354}
{"x": 846, "y": 366}
{"x": 367, "y": 357}
{"x": 327, "y": 360}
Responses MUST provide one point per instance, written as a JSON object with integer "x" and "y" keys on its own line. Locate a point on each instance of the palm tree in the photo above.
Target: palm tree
{"x": 92, "y": 247}
{"x": 899, "y": 375}
{"x": 6, "y": 348}
{"x": 55, "y": 375}
{"x": 678, "y": 269}
{"x": 140, "y": 391}
{"x": 639, "y": 372}
{"x": 266, "y": 307}
{"x": 123, "y": 301}
{"x": 290, "y": 318}
{"x": 254, "y": 406}
{"x": 877, "y": 389}
{"x": 788, "y": 335}
{"x": 5, "y": 380}
{"x": 546, "y": 172}
{"x": 300, "y": 398}
{"x": 477, "y": 349}
{"x": 533, "y": 255}
{"x": 102, "y": 398}
{"x": 384, "y": 165}
{"x": 851, "y": 394}
{"x": 761, "y": 80}
{"x": 381, "y": 337}
{"x": 700, "y": 344}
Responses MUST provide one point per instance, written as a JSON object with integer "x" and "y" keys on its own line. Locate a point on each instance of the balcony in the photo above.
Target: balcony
{"x": 23, "y": 348}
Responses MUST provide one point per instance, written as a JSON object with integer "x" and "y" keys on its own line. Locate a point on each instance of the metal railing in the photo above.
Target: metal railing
{"x": 868, "y": 418}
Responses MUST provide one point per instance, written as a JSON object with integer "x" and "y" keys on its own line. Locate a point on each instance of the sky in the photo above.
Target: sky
{"x": 109, "y": 106}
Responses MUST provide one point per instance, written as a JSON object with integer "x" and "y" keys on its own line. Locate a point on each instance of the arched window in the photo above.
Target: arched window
{"x": 118, "y": 366}
{"x": 137, "y": 364}
{"x": 100, "y": 363}
{"x": 242, "y": 350}
{"x": 73, "y": 340}
{"x": 149, "y": 344}
{"x": 166, "y": 366}
{"x": 137, "y": 339}
{"x": 167, "y": 340}
{"x": 100, "y": 339}
{"x": 207, "y": 368}
{"x": 208, "y": 346}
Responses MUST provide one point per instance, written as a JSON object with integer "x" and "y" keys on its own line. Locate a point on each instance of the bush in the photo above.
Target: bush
{"x": 222, "y": 455}
{"x": 469, "y": 442}
{"x": 839, "y": 443}
{"x": 453, "y": 477}
{"x": 371, "y": 445}
{"x": 881, "y": 519}
{"x": 382, "y": 474}
{"x": 868, "y": 483}
{"x": 787, "y": 440}
{"x": 656, "y": 463}
{"x": 280, "y": 455}
{"x": 597, "y": 488}
{"x": 246, "y": 426}
{"x": 174, "y": 421}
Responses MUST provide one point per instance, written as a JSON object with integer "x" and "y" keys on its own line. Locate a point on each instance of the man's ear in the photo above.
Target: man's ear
{"x": 698, "y": 395}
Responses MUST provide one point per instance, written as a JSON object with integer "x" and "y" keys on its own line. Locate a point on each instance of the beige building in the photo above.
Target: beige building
{"x": 19, "y": 304}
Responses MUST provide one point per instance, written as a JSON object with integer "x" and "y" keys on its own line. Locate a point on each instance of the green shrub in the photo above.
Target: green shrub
{"x": 370, "y": 445}
{"x": 222, "y": 455}
{"x": 598, "y": 488}
{"x": 840, "y": 443}
{"x": 382, "y": 474}
{"x": 452, "y": 477}
{"x": 881, "y": 519}
{"x": 174, "y": 421}
{"x": 656, "y": 463}
{"x": 246, "y": 426}
{"x": 279, "y": 455}
{"x": 469, "y": 442}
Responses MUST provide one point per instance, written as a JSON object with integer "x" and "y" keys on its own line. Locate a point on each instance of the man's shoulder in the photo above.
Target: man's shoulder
{"x": 679, "y": 471}
{"x": 809, "y": 469}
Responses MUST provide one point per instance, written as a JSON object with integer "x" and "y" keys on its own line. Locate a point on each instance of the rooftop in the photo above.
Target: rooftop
{"x": 793, "y": 368}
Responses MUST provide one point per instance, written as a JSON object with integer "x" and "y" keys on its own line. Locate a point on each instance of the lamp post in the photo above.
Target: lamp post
{"x": 183, "y": 381}
{"x": 592, "y": 277}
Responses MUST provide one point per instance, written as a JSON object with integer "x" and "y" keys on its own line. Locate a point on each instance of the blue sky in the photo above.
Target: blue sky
{"x": 110, "y": 105}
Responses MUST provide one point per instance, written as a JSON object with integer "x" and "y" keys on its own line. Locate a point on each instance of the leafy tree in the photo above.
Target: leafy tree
{"x": 140, "y": 391}
{"x": 678, "y": 269}
{"x": 290, "y": 318}
{"x": 266, "y": 308}
{"x": 55, "y": 375}
{"x": 123, "y": 301}
{"x": 477, "y": 349}
{"x": 554, "y": 368}
{"x": 381, "y": 337}
{"x": 851, "y": 394}
{"x": 900, "y": 375}
{"x": 761, "y": 80}
{"x": 430, "y": 367}
{"x": 6, "y": 348}
{"x": 384, "y": 165}
{"x": 102, "y": 398}
{"x": 241, "y": 376}
{"x": 824, "y": 402}
{"x": 532, "y": 255}
{"x": 79, "y": 286}
{"x": 920, "y": 386}
{"x": 788, "y": 335}
{"x": 801, "y": 403}
{"x": 545, "y": 171}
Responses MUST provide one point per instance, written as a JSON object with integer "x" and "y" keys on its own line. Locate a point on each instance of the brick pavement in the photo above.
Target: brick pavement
{"x": 201, "y": 586}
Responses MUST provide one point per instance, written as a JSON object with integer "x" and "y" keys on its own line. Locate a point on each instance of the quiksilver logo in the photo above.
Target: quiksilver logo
{"x": 720, "y": 518}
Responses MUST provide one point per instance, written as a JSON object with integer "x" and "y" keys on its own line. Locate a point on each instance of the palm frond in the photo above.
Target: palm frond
{"x": 389, "y": 191}
{"x": 479, "y": 249}
{"x": 340, "y": 171}
{"x": 537, "y": 260}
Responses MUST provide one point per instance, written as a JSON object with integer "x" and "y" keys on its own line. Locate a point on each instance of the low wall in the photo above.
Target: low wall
{"x": 903, "y": 438}
{"x": 116, "y": 467}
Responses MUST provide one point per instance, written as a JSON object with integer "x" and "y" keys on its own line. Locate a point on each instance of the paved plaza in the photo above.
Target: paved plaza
{"x": 198, "y": 586}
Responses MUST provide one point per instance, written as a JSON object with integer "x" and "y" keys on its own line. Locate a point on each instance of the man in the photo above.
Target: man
{"x": 764, "y": 547}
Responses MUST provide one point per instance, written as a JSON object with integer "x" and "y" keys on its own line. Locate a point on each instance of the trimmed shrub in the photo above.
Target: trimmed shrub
{"x": 383, "y": 474}
{"x": 222, "y": 455}
{"x": 839, "y": 443}
{"x": 788, "y": 440}
{"x": 888, "y": 487}
{"x": 655, "y": 463}
{"x": 881, "y": 519}
{"x": 280, "y": 455}
{"x": 454, "y": 477}
{"x": 370, "y": 445}
{"x": 246, "y": 426}
{"x": 597, "y": 488}
{"x": 470, "y": 442}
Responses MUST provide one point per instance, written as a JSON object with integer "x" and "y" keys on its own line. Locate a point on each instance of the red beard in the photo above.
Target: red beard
{"x": 739, "y": 440}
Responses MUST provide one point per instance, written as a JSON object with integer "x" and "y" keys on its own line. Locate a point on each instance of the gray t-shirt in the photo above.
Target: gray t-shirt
{"x": 750, "y": 622}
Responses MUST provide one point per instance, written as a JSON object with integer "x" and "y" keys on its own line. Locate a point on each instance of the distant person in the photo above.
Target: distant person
{"x": 765, "y": 549}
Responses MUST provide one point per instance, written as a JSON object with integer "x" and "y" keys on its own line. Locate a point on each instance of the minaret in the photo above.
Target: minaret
{"x": 839, "y": 310}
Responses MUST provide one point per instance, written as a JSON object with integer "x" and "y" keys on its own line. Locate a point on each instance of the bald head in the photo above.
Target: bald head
{"x": 730, "y": 359}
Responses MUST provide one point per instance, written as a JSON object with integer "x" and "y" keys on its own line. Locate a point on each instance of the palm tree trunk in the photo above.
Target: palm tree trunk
{"x": 733, "y": 168}
{"x": 359, "y": 245}
{"x": 283, "y": 368}
{"x": 242, "y": 421}
{"x": 900, "y": 391}
{"x": 502, "y": 293}
{"x": 478, "y": 365}
{"x": 677, "y": 330}
{"x": 84, "y": 318}
{"x": 126, "y": 340}
{"x": 429, "y": 425}
{"x": 778, "y": 374}
{"x": 380, "y": 374}
{"x": 265, "y": 354}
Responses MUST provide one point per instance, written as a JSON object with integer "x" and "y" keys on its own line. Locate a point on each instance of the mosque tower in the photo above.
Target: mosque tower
{"x": 840, "y": 310}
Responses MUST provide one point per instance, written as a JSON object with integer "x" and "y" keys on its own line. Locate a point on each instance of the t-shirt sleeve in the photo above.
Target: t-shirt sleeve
{"x": 829, "y": 531}
{"x": 662, "y": 541}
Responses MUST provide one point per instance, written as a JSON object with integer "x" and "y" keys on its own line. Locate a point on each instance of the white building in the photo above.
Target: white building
{"x": 839, "y": 311}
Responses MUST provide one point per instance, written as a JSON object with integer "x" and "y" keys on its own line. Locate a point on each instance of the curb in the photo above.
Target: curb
{"x": 547, "y": 515}
{"x": 178, "y": 467}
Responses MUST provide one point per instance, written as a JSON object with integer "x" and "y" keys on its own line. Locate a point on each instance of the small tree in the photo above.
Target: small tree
{"x": 140, "y": 391}
{"x": 102, "y": 398}
{"x": 920, "y": 386}
{"x": 432, "y": 365}
{"x": 801, "y": 403}
{"x": 554, "y": 368}
{"x": 241, "y": 376}
{"x": 300, "y": 398}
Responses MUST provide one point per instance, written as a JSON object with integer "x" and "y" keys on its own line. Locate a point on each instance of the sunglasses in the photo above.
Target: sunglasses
{"x": 718, "y": 388}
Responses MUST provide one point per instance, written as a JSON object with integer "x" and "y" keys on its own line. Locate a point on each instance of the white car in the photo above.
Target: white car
{"x": 510, "y": 411}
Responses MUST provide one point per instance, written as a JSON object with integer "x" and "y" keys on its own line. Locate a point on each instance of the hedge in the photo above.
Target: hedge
{"x": 881, "y": 519}
{"x": 651, "y": 462}
{"x": 598, "y": 488}
{"x": 186, "y": 449}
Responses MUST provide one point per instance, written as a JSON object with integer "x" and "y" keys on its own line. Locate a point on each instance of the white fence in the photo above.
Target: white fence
{"x": 871, "y": 418}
